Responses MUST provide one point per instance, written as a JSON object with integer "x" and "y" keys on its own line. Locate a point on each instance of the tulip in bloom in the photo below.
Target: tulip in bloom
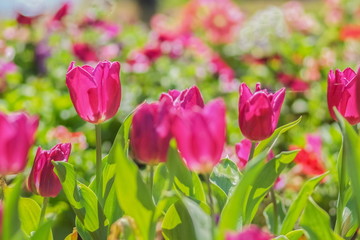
{"x": 150, "y": 132}
{"x": 17, "y": 135}
{"x": 42, "y": 179}
{"x": 95, "y": 92}
{"x": 259, "y": 112}
{"x": 185, "y": 99}
{"x": 250, "y": 233}
{"x": 200, "y": 135}
{"x": 342, "y": 94}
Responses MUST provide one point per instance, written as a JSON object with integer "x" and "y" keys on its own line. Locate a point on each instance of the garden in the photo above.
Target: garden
{"x": 179, "y": 119}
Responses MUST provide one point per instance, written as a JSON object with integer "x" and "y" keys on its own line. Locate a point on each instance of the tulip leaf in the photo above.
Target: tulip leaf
{"x": 186, "y": 220}
{"x": 257, "y": 180}
{"x": 161, "y": 181}
{"x": 316, "y": 222}
{"x": 11, "y": 223}
{"x": 29, "y": 213}
{"x": 184, "y": 180}
{"x": 299, "y": 203}
{"x": 268, "y": 143}
{"x": 132, "y": 193}
{"x": 295, "y": 235}
{"x": 226, "y": 175}
{"x": 43, "y": 232}
{"x": 270, "y": 217}
{"x": 83, "y": 200}
{"x": 351, "y": 157}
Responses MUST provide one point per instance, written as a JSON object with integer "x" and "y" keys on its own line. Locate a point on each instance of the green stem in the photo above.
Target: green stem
{"x": 43, "y": 210}
{"x": 273, "y": 199}
{"x": 2, "y": 186}
{"x": 252, "y": 150}
{"x": 98, "y": 161}
{"x": 151, "y": 179}
{"x": 211, "y": 204}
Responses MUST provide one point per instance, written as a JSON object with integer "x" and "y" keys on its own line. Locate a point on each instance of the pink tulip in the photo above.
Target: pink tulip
{"x": 185, "y": 99}
{"x": 95, "y": 92}
{"x": 17, "y": 135}
{"x": 242, "y": 150}
{"x": 42, "y": 180}
{"x": 342, "y": 94}
{"x": 250, "y": 233}
{"x": 259, "y": 112}
{"x": 150, "y": 133}
{"x": 200, "y": 135}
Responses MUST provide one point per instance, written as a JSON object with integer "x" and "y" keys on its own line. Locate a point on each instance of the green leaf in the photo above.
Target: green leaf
{"x": 44, "y": 232}
{"x": 83, "y": 200}
{"x": 185, "y": 181}
{"x": 295, "y": 235}
{"x": 268, "y": 143}
{"x": 132, "y": 193}
{"x": 186, "y": 220}
{"x": 351, "y": 157}
{"x": 226, "y": 175}
{"x": 299, "y": 203}
{"x": 316, "y": 222}
{"x": 29, "y": 213}
{"x": 11, "y": 223}
{"x": 161, "y": 182}
{"x": 257, "y": 180}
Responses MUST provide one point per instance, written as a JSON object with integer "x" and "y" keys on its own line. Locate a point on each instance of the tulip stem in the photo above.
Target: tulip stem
{"x": 98, "y": 161}
{"x": 2, "y": 186}
{"x": 43, "y": 210}
{"x": 151, "y": 179}
{"x": 211, "y": 204}
{"x": 252, "y": 150}
{"x": 273, "y": 199}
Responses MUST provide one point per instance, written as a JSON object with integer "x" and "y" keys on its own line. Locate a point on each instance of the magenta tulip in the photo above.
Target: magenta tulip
{"x": 342, "y": 94}
{"x": 43, "y": 180}
{"x": 250, "y": 233}
{"x": 95, "y": 92}
{"x": 17, "y": 135}
{"x": 200, "y": 135}
{"x": 259, "y": 112}
{"x": 185, "y": 99}
{"x": 150, "y": 133}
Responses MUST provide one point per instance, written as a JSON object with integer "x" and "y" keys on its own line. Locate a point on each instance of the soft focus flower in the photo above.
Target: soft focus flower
{"x": 350, "y": 32}
{"x": 150, "y": 132}
{"x": 200, "y": 135}
{"x": 62, "y": 134}
{"x": 5, "y": 68}
{"x": 25, "y": 20}
{"x": 222, "y": 69}
{"x": 95, "y": 92}
{"x": 56, "y": 20}
{"x": 309, "y": 158}
{"x": 250, "y": 233}
{"x": 297, "y": 18}
{"x": 84, "y": 52}
{"x": 17, "y": 135}
{"x": 342, "y": 94}
{"x": 185, "y": 99}
{"x": 294, "y": 83}
{"x": 42, "y": 53}
{"x": 259, "y": 112}
{"x": 242, "y": 150}
{"x": 43, "y": 180}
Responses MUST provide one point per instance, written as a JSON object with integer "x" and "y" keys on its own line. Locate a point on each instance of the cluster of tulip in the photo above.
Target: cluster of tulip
{"x": 198, "y": 128}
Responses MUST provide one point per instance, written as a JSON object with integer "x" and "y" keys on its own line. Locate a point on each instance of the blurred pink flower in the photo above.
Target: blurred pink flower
{"x": 296, "y": 17}
{"x": 84, "y": 52}
{"x": 62, "y": 134}
{"x": 292, "y": 82}
{"x": 43, "y": 180}
{"x": 5, "y": 68}
{"x": 200, "y": 135}
{"x": 250, "y": 233}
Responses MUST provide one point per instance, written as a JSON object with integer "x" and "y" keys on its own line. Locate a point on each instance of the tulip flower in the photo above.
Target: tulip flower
{"x": 150, "y": 133}
{"x": 200, "y": 135}
{"x": 95, "y": 92}
{"x": 259, "y": 112}
{"x": 342, "y": 94}
{"x": 250, "y": 233}
{"x": 43, "y": 180}
{"x": 17, "y": 135}
{"x": 185, "y": 99}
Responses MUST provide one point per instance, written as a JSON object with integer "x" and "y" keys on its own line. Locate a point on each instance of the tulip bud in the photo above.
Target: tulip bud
{"x": 259, "y": 112}
{"x": 250, "y": 233}
{"x": 95, "y": 92}
{"x": 342, "y": 94}
{"x": 43, "y": 180}
{"x": 17, "y": 135}
{"x": 150, "y": 133}
{"x": 185, "y": 99}
{"x": 200, "y": 135}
